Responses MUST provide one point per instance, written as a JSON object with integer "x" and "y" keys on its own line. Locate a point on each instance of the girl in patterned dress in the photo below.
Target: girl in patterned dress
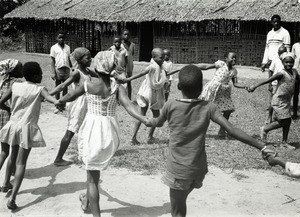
{"x": 99, "y": 132}
{"x": 22, "y": 131}
{"x": 78, "y": 108}
{"x": 218, "y": 90}
{"x": 281, "y": 101}
{"x": 10, "y": 71}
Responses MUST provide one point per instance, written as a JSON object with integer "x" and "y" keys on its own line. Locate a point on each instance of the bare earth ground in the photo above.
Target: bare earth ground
{"x": 51, "y": 191}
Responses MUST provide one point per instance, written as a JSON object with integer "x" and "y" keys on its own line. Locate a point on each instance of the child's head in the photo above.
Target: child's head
{"x": 158, "y": 56}
{"x": 32, "y": 72}
{"x": 230, "y": 58}
{"x": 190, "y": 81}
{"x": 276, "y": 21}
{"x": 117, "y": 42}
{"x": 288, "y": 60}
{"x": 60, "y": 37}
{"x": 125, "y": 35}
{"x": 282, "y": 49}
{"x": 167, "y": 54}
{"x": 82, "y": 56}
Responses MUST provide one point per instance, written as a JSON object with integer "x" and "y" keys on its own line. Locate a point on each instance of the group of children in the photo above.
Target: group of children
{"x": 98, "y": 87}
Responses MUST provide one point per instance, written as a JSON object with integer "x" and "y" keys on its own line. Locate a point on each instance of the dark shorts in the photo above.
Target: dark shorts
{"x": 182, "y": 184}
{"x": 62, "y": 74}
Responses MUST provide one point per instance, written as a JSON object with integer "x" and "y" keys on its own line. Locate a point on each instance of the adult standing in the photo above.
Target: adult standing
{"x": 129, "y": 46}
{"x": 275, "y": 38}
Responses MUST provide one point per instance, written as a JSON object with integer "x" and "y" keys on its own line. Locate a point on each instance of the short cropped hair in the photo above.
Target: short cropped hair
{"x": 125, "y": 30}
{"x": 275, "y": 16}
{"x": 190, "y": 79}
{"x": 31, "y": 69}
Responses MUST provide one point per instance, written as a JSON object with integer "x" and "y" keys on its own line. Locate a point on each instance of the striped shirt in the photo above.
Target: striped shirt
{"x": 274, "y": 40}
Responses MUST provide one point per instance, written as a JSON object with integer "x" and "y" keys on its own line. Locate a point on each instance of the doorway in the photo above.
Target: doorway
{"x": 146, "y": 41}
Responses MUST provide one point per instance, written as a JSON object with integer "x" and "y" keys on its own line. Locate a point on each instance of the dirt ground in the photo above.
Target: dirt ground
{"x": 53, "y": 191}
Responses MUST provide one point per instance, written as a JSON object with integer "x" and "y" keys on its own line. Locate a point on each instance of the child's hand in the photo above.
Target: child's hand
{"x": 266, "y": 153}
{"x": 251, "y": 89}
{"x": 148, "y": 122}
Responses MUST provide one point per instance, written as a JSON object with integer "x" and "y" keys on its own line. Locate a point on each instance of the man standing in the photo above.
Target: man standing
{"x": 275, "y": 38}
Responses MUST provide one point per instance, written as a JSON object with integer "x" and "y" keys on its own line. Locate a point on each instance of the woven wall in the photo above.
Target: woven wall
{"x": 208, "y": 49}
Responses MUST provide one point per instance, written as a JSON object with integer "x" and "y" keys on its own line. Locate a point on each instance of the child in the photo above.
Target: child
{"x": 151, "y": 92}
{"x": 22, "y": 132}
{"x": 218, "y": 89}
{"x": 296, "y": 52}
{"x": 99, "y": 133}
{"x": 276, "y": 66}
{"x": 167, "y": 65}
{"x": 188, "y": 119}
{"x": 60, "y": 62}
{"x": 78, "y": 108}
{"x": 129, "y": 46}
{"x": 10, "y": 71}
{"x": 281, "y": 101}
{"x": 122, "y": 57}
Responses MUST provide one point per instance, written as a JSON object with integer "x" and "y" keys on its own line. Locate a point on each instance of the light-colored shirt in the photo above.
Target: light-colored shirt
{"x": 276, "y": 66}
{"x": 188, "y": 120}
{"x": 168, "y": 66}
{"x": 61, "y": 55}
{"x": 274, "y": 40}
{"x": 296, "y": 51}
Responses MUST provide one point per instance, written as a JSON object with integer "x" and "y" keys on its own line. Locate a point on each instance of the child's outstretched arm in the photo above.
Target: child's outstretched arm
{"x": 236, "y": 83}
{"x": 205, "y": 66}
{"x": 73, "y": 77}
{"x": 71, "y": 96}
{"x": 277, "y": 76}
{"x": 242, "y": 136}
{"x": 48, "y": 97}
{"x": 146, "y": 71}
{"x": 129, "y": 107}
{"x": 6, "y": 96}
{"x": 173, "y": 72}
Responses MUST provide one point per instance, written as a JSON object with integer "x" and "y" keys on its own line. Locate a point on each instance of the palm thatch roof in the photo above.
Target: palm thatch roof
{"x": 159, "y": 10}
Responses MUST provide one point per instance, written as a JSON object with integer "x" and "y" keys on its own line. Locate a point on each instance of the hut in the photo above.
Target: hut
{"x": 194, "y": 30}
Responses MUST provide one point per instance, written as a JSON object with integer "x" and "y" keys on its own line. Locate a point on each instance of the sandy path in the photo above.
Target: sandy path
{"x": 51, "y": 191}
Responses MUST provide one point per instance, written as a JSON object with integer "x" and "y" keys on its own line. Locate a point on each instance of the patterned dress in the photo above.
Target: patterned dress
{"x": 218, "y": 90}
{"x": 281, "y": 101}
{"x": 98, "y": 137}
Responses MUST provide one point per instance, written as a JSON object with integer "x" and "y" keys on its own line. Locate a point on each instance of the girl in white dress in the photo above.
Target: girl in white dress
{"x": 22, "y": 131}
{"x": 99, "y": 132}
{"x": 78, "y": 108}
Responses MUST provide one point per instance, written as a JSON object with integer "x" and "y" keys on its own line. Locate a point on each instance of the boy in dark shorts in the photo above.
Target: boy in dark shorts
{"x": 188, "y": 119}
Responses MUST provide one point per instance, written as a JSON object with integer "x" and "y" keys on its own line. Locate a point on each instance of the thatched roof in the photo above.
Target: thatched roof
{"x": 159, "y": 10}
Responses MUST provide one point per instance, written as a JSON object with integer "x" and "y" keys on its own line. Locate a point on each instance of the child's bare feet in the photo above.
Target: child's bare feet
{"x": 292, "y": 169}
{"x": 6, "y": 188}
{"x": 62, "y": 163}
{"x": 287, "y": 145}
{"x": 152, "y": 140}
{"x": 263, "y": 134}
{"x": 11, "y": 204}
{"x": 84, "y": 203}
{"x": 134, "y": 141}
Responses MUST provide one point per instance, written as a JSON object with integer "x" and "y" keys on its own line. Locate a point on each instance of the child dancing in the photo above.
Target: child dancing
{"x": 99, "y": 132}
{"x": 276, "y": 66}
{"x": 151, "y": 92}
{"x": 22, "y": 131}
{"x": 218, "y": 90}
{"x": 168, "y": 66}
{"x": 78, "y": 108}
{"x": 10, "y": 71}
{"x": 281, "y": 101}
{"x": 187, "y": 161}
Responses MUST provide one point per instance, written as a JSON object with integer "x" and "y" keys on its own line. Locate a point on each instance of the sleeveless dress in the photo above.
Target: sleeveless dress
{"x": 98, "y": 137}
{"x": 281, "y": 101}
{"x": 78, "y": 108}
{"x": 218, "y": 90}
{"x": 22, "y": 128}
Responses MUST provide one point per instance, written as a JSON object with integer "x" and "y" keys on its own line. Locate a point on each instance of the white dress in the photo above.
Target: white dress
{"x": 98, "y": 138}
{"x": 78, "y": 108}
